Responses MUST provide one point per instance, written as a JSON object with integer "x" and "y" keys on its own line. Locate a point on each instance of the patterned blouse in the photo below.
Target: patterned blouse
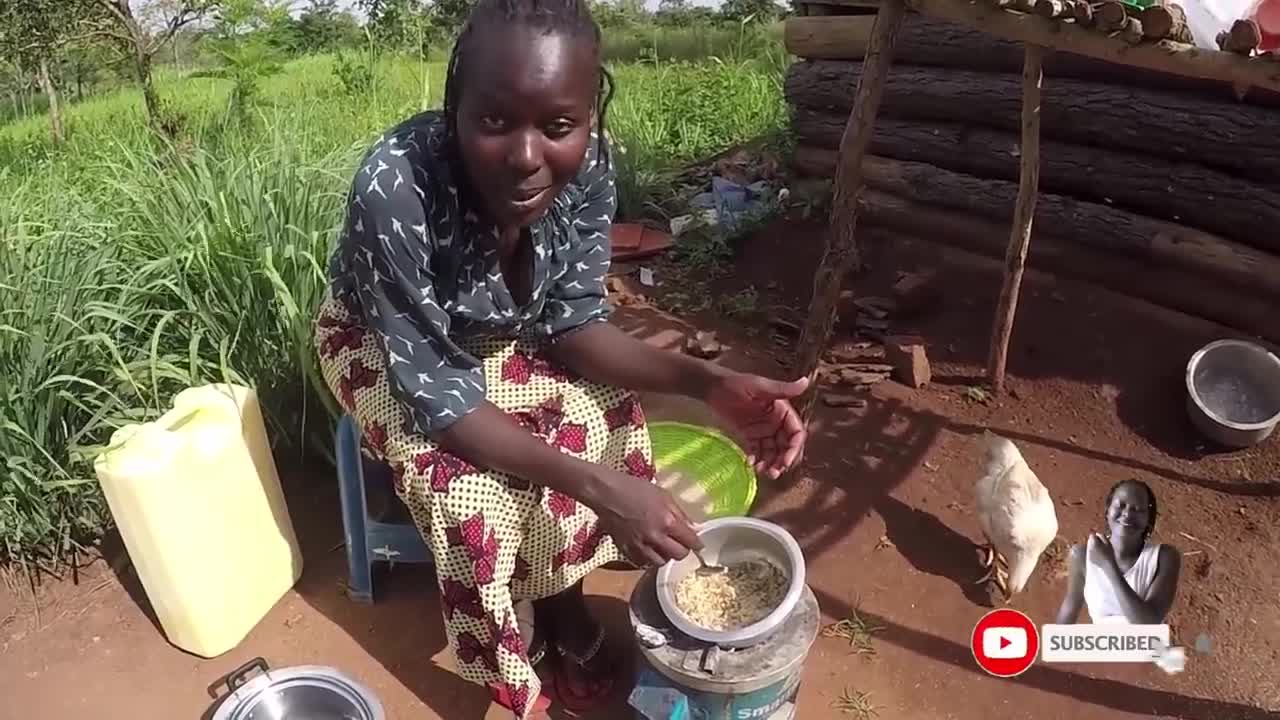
{"x": 422, "y": 269}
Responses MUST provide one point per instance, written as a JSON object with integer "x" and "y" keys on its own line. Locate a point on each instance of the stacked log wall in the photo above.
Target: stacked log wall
{"x": 1173, "y": 180}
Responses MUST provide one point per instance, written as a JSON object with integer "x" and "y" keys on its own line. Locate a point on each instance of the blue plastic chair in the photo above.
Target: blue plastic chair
{"x": 369, "y": 539}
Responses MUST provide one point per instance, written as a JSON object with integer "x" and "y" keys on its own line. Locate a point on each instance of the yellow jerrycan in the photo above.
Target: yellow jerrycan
{"x": 198, "y": 503}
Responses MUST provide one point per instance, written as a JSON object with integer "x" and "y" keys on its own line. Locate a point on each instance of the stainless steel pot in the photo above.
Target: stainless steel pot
{"x": 726, "y": 541}
{"x": 1233, "y": 392}
{"x": 303, "y": 692}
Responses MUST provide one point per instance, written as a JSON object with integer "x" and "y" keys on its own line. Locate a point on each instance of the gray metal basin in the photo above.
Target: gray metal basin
{"x": 1233, "y": 392}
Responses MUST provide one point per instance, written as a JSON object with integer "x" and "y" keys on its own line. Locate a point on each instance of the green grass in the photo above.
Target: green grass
{"x": 130, "y": 268}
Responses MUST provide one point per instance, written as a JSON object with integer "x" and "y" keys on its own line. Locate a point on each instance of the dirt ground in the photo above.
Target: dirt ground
{"x": 882, "y": 507}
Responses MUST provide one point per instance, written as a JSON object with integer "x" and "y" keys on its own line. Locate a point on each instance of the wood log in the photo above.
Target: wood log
{"x": 1173, "y": 58}
{"x": 1184, "y": 193}
{"x": 930, "y": 42}
{"x": 1110, "y": 16}
{"x": 1171, "y": 287}
{"x": 840, "y": 253}
{"x": 1242, "y": 39}
{"x": 1083, "y": 13}
{"x": 1052, "y": 8}
{"x": 1024, "y": 210}
{"x": 1232, "y": 138}
{"x": 1165, "y": 22}
{"x": 1107, "y": 229}
{"x": 1131, "y": 32}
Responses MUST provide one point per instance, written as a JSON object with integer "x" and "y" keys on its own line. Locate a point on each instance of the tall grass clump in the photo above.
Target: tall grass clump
{"x": 64, "y": 306}
{"x": 234, "y": 249}
{"x": 672, "y": 114}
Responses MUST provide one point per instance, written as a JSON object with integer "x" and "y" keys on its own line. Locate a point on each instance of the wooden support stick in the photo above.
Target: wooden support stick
{"x": 1023, "y": 212}
{"x": 841, "y": 244}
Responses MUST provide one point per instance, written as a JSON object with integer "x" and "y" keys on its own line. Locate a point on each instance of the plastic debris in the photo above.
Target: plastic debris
{"x": 733, "y": 203}
{"x": 659, "y": 703}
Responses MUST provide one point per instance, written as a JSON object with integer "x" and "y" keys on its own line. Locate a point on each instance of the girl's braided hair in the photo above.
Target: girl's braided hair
{"x": 567, "y": 17}
{"x": 1151, "y": 503}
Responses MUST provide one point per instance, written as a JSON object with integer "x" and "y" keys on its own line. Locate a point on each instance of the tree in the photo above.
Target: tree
{"x": 323, "y": 26}
{"x": 618, "y": 13}
{"x": 404, "y": 24}
{"x": 139, "y": 41}
{"x": 755, "y": 10}
{"x": 32, "y": 34}
{"x": 246, "y": 37}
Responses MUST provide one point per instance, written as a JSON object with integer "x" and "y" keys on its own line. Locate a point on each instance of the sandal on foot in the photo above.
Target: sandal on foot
{"x": 538, "y": 646}
{"x": 538, "y": 652}
{"x": 502, "y": 696}
{"x": 599, "y": 685}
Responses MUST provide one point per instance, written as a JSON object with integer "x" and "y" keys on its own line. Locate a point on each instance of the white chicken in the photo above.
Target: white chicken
{"x": 1015, "y": 513}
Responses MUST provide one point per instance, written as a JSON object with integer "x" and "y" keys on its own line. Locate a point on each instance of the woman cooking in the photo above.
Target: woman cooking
{"x": 466, "y": 330}
{"x": 1123, "y": 578}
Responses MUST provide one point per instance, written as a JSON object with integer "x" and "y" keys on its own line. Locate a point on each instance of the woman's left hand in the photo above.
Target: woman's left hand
{"x": 760, "y": 409}
{"x": 1100, "y": 552}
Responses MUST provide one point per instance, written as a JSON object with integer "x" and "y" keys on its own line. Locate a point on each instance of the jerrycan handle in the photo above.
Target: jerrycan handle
{"x": 241, "y": 675}
{"x": 169, "y": 421}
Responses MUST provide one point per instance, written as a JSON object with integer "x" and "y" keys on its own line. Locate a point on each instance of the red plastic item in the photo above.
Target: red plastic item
{"x": 1267, "y": 15}
{"x": 632, "y": 241}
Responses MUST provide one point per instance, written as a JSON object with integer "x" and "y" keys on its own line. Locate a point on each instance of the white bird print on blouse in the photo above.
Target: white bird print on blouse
{"x": 425, "y": 379}
{"x": 454, "y": 393}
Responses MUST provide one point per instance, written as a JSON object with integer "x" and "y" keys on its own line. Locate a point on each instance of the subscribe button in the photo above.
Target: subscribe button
{"x": 1005, "y": 643}
{"x": 1104, "y": 643}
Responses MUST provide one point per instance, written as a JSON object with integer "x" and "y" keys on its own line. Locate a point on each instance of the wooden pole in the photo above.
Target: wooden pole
{"x": 1023, "y": 212}
{"x": 841, "y": 243}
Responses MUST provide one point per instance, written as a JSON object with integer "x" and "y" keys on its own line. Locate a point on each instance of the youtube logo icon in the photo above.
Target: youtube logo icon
{"x": 1005, "y": 643}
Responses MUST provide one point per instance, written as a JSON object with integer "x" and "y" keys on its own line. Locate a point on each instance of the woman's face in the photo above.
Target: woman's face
{"x": 1129, "y": 513}
{"x": 524, "y": 119}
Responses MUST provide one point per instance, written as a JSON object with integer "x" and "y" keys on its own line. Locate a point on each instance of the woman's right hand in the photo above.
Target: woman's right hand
{"x": 645, "y": 522}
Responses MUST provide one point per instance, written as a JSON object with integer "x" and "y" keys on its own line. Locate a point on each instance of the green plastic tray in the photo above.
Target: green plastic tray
{"x": 712, "y": 460}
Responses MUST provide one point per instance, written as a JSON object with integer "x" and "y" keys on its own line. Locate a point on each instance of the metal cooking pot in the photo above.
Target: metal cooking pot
{"x": 303, "y": 692}
{"x": 726, "y": 541}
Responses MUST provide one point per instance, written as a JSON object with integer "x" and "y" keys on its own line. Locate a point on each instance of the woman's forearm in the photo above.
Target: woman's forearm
{"x": 489, "y": 438}
{"x": 1135, "y": 608}
{"x": 604, "y": 354}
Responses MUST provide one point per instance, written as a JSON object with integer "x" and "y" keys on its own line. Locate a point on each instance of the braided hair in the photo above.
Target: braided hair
{"x": 571, "y": 18}
{"x": 1151, "y": 503}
